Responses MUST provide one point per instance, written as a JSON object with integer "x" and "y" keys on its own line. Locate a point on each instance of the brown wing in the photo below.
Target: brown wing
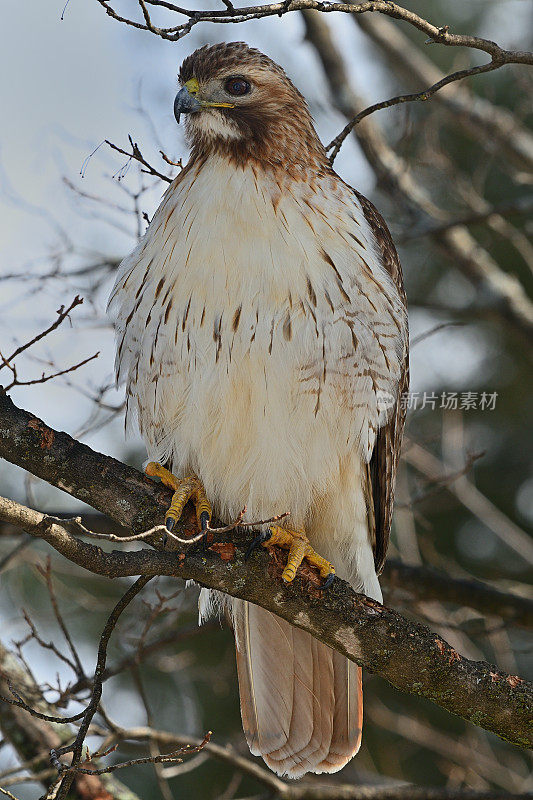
{"x": 384, "y": 461}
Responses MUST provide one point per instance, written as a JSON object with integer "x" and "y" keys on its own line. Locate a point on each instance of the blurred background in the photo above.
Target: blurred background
{"x": 452, "y": 177}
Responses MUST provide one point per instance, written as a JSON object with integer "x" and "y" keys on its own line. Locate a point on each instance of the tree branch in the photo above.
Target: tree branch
{"x": 440, "y": 34}
{"x": 489, "y": 123}
{"x": 408, "y": 655}
{"x": 425, "y": 583}
{"x": 421, "y": 583}
{"x": 336, "y": 143}
{"x": 503, "y": 293}
{"x": 33, "y": 738}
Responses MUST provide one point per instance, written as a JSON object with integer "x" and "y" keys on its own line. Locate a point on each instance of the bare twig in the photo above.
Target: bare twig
{"x": 336, "y": 143}
{"x": 20, "y": 703}
{"x": 45, "y": 645}
{"x": 174, "y": 757}
{"x": 47, "y": 575}
{"x": 136, "y": 155}
{"x": 238, "y": 523}
{"x": 62, "y": 314}
{"x": 44, "y": 378}
{"x": 77, "y": 747}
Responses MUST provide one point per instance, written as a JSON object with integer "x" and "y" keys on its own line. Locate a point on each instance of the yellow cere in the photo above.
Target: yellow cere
{"x": 193, "y": 87}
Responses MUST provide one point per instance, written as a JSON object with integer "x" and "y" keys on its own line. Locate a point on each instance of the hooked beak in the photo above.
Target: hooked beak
{"x": 185, "y": 103}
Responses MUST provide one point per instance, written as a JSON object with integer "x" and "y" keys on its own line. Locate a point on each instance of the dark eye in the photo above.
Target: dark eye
{"x": 237, "y": 86}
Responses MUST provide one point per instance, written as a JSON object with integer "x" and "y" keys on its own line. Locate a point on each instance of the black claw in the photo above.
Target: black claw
{"x": 164, "y": 540}
{"x": 169, "y": 523}
{"x": 204, "y": 520}
{"x": 329, "y": 580}
{"x": 264, "y": 536}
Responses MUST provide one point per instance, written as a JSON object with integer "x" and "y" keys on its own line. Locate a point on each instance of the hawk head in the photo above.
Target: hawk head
{"x": 242, "y": 104}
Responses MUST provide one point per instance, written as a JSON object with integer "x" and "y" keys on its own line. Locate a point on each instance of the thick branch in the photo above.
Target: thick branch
{"x": 421, "y": 583}
{"x": 408, "y": 655}
{"x": 123, "y": 493}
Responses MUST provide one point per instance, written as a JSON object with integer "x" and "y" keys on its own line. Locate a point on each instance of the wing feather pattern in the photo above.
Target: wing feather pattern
{"x": 386, "y": 453}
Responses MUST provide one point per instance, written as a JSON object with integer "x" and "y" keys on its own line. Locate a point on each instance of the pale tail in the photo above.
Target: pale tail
{"x": 301, "y": 702}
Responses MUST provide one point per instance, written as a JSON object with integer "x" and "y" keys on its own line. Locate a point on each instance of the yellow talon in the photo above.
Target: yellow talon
{"x": 185, "y": 489}
{"x": 297, "y": 544}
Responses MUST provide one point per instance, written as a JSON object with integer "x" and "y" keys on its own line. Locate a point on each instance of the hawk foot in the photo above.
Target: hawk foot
{"x": 185, "y": 489}
{"x": 297, "y": 543}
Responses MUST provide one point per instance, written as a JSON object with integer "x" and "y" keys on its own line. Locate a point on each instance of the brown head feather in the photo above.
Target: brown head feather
{"x": 271, "y": 127}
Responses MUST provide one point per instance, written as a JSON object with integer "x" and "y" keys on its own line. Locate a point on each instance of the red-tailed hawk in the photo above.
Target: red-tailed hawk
{"x": 262, "y": 334}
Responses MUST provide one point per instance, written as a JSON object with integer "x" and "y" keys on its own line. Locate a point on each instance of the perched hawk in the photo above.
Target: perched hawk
{"x": 262, "y": 334}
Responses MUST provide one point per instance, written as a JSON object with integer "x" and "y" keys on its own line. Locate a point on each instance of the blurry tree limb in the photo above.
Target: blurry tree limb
{"x": 491, "y": 125}
{"x": 446, "y": 745}
{"x": 522, "y": 206}
{"x": 304, "y": 790}
{"x": 470, "y": 496}
{"x": 408, "y": 655}
{"x": 501, "y": 293}
{"x": 425, "y": 94}
{"x": 425, "y": 583}
{"x": 33, "y": 738}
